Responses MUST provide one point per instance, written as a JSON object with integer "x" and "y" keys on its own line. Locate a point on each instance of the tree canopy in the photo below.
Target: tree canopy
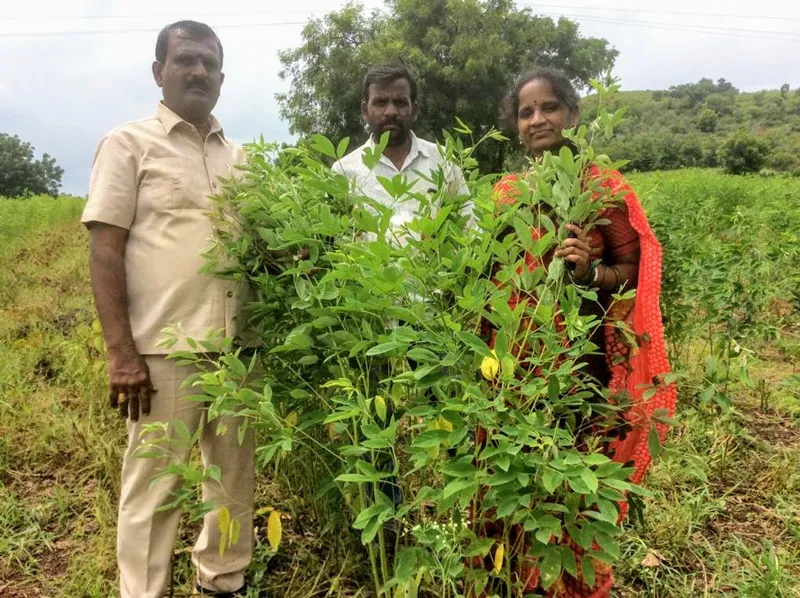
{"x": 691, "y": 124}
{"x": 21, "y": 174}
{"x": 465, "y": 54}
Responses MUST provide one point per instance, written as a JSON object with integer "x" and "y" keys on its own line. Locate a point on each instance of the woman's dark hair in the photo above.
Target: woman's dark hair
{"x": 193, "y": 29}
{"x": 562, "y": 89}
{"x": 386, "y": 74}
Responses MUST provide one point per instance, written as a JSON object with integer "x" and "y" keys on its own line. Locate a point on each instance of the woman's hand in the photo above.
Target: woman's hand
{"x": 578, "y": 251}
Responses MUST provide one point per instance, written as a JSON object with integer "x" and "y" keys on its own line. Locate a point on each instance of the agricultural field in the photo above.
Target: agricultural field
{"x": 724, "y": 518}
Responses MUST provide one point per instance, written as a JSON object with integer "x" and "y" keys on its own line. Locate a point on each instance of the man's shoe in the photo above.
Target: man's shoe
{"x": 240, "y": 593}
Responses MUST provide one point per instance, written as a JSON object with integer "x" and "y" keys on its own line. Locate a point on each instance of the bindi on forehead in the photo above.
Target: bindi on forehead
{"x": 543, "y": 102}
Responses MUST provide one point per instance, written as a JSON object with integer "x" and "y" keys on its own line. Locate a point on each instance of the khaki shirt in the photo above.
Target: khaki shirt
{"x": 153, "y": 177}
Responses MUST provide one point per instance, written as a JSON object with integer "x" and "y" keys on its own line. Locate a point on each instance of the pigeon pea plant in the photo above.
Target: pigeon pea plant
{"x": 393, "y": 361}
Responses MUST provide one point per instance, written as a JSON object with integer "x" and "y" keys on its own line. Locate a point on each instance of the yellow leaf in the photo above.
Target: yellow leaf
{"x": 223, "y": 520}
{"x": 331, "y": 432}
{"x": 236, "y": 530}
{"x": 223, "y": 523}
{"x": 498, "y": 558}
{"x": 274, "y": 530}
{"x": 490, "y": 366}
{"x": 291, "y": 419}
{"x": 442, "y": 423}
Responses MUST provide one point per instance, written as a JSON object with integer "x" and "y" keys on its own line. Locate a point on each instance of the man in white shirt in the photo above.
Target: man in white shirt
{"x": 389, "y": 103}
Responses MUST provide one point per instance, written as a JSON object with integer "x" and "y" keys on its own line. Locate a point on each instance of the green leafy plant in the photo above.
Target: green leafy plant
{"x": 378, "y": 367}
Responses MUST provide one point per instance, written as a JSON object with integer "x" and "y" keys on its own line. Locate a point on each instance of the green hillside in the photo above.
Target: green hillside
{"x": 689, "y": 125}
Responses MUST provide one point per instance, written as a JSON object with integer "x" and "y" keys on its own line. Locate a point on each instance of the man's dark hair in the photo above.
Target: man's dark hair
{"x": 192, "y": 29}
{"x": 563, "y": 89}
{"x": 386, "y": 74}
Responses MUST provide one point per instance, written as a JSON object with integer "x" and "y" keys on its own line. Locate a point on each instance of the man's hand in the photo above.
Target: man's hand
{"x": 130, "y": 387}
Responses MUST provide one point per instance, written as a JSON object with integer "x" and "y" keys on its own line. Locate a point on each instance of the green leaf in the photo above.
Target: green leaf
{"x": 422, "y": 355}
{"x": 405, "y": 564}
{"x": 479, "y": 547}
{"x": 609, "y": 511}
{"x": 323, "y": 145}
{"x": 214, "y": 472}
{"x": 579, "y": 486}
{"x": 342, "y": 415}
{"x": 356, "y": 477}
{"x": 308, "y": 360}
{"x": 587, "y": 568}
{"x": 341, "y": 149}
{"x": 182, "y": 431}
{"x": 475, "y": 343}
{"x": 654, "y": 443}
{"x": 568, "y": 562}
{"x": 383, "y": 348}
{"x": 596, "y": 459}
{"x": 237, "y": 368}
{"x": 553, "y": 388}
{"x": 370, "y": 531}
{"x": 608, "y": 544}
{"x": 551, "y": 567}
{"x": 618, "y": 484}
{"x": 380, "y": 407}
{"x": 430, "y": 439}
{"x": 589, "y": 479}
{"x": 462, "y": 127}
{"x": 551, "y": 480}
{"x": 325, "y": 322}
{"x": 457, "y": 486}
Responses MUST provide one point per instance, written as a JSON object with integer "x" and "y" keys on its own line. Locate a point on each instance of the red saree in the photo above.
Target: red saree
{"x": 636, "y": 370}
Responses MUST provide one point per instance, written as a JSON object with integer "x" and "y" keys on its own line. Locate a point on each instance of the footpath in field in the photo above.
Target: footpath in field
{"x": 724, "y": 519}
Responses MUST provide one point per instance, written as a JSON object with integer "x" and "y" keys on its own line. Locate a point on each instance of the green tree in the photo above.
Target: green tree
{"x": 707, "y": 120}
{"x": 466, "y": 55}
{"x": 21, "y": 174}
{"x": 743, "y": 153}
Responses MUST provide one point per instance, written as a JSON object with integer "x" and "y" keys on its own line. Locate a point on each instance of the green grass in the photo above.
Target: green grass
{"x": 724, "y": 519}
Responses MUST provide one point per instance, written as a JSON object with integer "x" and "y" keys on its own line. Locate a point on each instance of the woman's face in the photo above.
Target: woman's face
{"x": 542, "y": 117}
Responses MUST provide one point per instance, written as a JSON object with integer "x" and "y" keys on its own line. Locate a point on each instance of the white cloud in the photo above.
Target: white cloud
{"x": 63, "y": 93}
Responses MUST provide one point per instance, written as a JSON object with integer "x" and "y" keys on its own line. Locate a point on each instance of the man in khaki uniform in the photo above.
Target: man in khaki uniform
{"x": 147, "y": 216}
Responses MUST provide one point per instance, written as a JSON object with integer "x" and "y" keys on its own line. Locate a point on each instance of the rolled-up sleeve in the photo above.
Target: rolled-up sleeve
{"x": 113, "y": 183}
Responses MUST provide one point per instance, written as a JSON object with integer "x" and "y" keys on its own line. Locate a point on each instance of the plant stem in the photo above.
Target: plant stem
{"x": 362, "y": 499}
{"x": 382, "y": 546}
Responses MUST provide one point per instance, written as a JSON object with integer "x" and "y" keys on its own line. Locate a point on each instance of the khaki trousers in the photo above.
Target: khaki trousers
{"x": 146, "y": 538}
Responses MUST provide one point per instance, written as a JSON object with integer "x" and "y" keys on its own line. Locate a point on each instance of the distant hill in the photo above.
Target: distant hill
{"x": 685, "y": 125}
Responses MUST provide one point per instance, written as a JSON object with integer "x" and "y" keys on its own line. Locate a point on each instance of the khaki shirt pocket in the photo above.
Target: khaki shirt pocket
{"x": 169, "y": 184}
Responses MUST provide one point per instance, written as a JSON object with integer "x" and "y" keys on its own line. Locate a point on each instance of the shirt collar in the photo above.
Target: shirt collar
{"x": 170, "y": 120}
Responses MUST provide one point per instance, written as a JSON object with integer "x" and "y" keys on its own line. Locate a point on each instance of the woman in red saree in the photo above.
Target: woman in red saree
{"x": 543, "y": 104}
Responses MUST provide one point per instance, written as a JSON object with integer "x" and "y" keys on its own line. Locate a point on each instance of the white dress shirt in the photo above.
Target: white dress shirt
{"x": 423, "y": 160}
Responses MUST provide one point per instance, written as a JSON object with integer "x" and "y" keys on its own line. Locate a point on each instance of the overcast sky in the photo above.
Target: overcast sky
{"x": 62, "y": 93}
